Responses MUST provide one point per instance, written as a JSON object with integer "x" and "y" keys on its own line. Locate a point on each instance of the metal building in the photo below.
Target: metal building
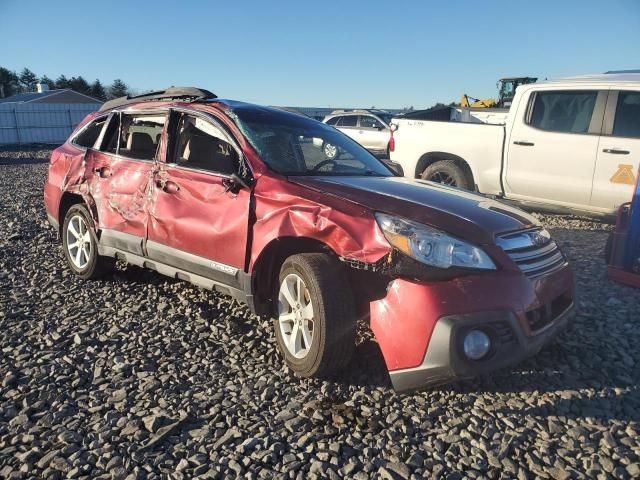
{"x": 45, "y": 116}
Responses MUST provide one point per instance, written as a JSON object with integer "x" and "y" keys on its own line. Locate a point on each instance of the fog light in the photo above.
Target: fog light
{"x": 476, "y": 344}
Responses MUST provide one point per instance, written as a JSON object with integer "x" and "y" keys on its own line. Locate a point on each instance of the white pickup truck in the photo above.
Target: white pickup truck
{"x": 570, "y": 145}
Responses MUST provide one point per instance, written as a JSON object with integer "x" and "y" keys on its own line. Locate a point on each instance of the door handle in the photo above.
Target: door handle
{"x": 170, "y": 187}
{"x": 615, "y": 151}
{"x": 523, "y": 143}
{"x": 103, "y": 172}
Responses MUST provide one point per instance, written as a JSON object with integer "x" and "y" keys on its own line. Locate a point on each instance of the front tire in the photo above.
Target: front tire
{"x": 80, "y": 245}
{"x": 315, "y": 316}
{"x": 448, "y": 172}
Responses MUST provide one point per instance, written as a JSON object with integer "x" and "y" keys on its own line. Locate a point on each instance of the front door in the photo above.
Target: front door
{"x": 551, "y": 151}
{"x": 348, "y": 124}
{"x": 618, "y": 152}
{"x": 197, "y": 223}
{"x": 119, "y": 176}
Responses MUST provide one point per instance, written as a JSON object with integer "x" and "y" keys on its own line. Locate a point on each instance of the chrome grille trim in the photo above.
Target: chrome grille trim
{"x": 533, "y": 251}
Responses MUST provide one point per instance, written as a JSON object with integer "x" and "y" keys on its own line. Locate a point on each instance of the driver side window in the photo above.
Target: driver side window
{"x": 200, "y": 144}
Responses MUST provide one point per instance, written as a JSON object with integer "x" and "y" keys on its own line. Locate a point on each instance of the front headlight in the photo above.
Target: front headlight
{"x": 430, "y": 246}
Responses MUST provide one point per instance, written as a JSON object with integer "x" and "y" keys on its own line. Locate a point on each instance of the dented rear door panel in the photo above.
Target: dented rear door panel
{"x": 121, "y": 191}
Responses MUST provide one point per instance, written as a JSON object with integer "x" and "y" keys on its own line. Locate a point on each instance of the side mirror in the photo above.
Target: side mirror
{"x": 396, "y": 168}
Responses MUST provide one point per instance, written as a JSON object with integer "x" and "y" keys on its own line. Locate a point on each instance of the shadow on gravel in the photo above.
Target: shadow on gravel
{"x": 624, "y": 406}
{"x": 136, "y": 275}
{"x": 367, "y": 368}
{"x": 25, "y": 154}
{"x": 4, "y": 160}
{"x": 605, "y": 393}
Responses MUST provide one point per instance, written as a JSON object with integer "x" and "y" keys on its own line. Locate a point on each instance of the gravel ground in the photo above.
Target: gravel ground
{"x": 140, "y": 376}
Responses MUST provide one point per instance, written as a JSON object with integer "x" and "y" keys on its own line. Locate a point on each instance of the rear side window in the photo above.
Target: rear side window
{"x": 568, "y": 112}
{"x": 134, "y": 136}
{"x": 333, "y": 121}
{"x": 370, "y": 122}
{"x": 202, "y": 145}
{"x": 627, "y": 121}
{"x": 348, "y": 121}
{"x": 88, "y": 136}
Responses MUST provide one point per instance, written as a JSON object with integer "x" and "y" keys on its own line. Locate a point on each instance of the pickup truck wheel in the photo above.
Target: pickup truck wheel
{"x": 449, "y": 173}
{"x": 80, "y": 245}
{"x": 315, "y": 319}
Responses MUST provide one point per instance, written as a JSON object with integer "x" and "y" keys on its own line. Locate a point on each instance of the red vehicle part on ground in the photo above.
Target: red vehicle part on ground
{"x": 234, "y": 234}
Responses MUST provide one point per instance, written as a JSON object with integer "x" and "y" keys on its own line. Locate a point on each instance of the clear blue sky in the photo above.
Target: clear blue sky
{"x": 323, "y": 53}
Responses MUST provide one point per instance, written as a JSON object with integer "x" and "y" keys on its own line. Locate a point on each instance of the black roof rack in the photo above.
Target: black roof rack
{"x": 186, "y": 94}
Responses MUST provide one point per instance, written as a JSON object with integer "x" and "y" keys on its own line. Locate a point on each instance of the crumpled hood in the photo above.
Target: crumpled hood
{"x": 466, "y": 215}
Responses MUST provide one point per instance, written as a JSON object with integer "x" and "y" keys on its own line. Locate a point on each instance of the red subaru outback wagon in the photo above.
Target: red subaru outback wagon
{"x": 241, "y": 199}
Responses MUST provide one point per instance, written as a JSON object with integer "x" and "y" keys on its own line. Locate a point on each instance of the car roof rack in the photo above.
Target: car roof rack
{"x": 358, "y": 110}
{"x": 185, "y": 94}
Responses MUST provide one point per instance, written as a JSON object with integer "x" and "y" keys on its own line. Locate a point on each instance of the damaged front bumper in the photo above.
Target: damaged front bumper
{"x": 420, "y": 326}
{"x": 445, "y": 360}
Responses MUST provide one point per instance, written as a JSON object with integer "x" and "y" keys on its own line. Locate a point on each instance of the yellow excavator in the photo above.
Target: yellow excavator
{"x": 506, "y": 90}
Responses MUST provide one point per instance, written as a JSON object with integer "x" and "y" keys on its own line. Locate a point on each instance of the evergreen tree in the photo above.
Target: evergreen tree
{"x": 97, "y": 91}
{"x": 8, "y": 83}
{"x": 118, "y": 89}
{"x": 28, "y": 80}
{"x": 47, "y": 81}
{"x": 62, "y": 82}
{"x": 80, "y": 85}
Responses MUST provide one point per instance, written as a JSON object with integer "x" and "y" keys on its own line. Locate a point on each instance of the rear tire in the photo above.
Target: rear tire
{"x": 315, "y": 316}
{"x": 448, "y": 172}
{"x": 80, "y": 245}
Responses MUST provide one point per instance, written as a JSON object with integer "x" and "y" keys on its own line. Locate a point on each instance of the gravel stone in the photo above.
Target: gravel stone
{"x": 139, "y": 376}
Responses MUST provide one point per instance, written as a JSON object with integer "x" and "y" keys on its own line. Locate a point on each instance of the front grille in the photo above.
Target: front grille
{"x": 533, "y": 251}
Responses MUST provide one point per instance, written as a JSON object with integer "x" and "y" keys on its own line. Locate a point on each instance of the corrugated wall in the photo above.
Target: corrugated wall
{"x": 24, "y": 123}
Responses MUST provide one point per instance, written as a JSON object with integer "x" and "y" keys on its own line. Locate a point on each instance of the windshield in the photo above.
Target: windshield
{"x": 295, "y": 145}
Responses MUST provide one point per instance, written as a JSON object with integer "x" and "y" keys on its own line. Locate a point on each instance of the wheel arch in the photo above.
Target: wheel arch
{"x": 432, "y": 157}
{"x": 68, "y": 200}
{"x": 267, "y": 266}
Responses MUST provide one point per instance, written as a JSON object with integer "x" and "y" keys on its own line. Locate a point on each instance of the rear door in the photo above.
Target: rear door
{"x": 197, "y": 223}
{"x": 618, "y": 151}
{"x": 551, "y": 151}
{"x": 119, "y": 176}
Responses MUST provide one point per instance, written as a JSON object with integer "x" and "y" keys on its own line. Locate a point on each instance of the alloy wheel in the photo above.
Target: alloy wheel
{"x": 78, "y": 241}
{"x": 443, "y": 178}
{"x": 295, "y": 315}
{"x": 330, "y": 151}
